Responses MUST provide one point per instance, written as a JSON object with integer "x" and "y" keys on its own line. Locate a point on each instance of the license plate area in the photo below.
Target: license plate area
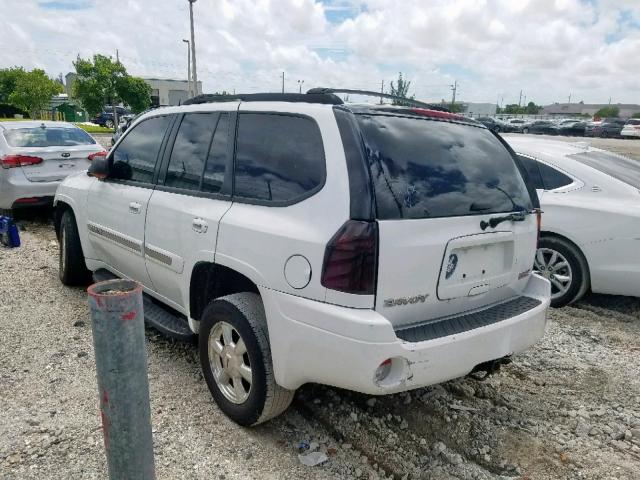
{"x": 476, "y": 264}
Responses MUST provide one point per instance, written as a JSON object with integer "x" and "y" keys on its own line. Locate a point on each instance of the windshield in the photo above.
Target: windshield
{"x": 425, "y": 169}
{"x": 47, "y": 137}
{"x": 616, "y": 166}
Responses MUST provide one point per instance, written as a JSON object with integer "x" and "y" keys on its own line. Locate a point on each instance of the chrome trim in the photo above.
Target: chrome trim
{"x": 156, "y": 255}
{"x": 114, "y": 237}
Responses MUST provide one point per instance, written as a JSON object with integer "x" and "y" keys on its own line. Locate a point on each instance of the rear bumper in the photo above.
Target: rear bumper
{"x": 630, "y": 133}
{"x": 15, "y": 186}
{"x": 321, "y": 343}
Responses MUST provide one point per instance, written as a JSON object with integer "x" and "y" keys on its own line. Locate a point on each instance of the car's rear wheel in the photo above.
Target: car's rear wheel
{"x": 235, "y": 356}
{"x": 525, "y": 130}
{"x": 109, "y": 123}
{"x": 565, "y": 267}
{"x": 73, "y": 270}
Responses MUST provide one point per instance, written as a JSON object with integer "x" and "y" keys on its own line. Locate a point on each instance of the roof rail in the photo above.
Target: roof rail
{"x": 310, "y": 97}
{"x": 368, "y": 93}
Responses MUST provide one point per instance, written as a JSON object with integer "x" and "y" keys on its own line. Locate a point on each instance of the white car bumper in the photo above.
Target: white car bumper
{"x": 14, "y": 186}
{"x": 322, "y": 343}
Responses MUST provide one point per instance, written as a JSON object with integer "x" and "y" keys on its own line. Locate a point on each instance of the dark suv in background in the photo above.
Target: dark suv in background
{"x": 105, "y": 118}
{"x": 608, "y": 127}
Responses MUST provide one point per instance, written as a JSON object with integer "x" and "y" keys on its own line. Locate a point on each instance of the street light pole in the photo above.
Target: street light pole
{"x": 300, "y": 82}
{"x": 193, "y": 49}
{"x": 188, "y": 67}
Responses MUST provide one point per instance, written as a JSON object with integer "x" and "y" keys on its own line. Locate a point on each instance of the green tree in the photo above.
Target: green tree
{"x": 532, "y": 108}
{"x": 101, "y": 81}
{"x": 607, "y": 112}
{"x": 401, "y": 89}
{"x": 8, "y": 79}
{"x": 636, "y": 115}
{"x": 33, "y": 91}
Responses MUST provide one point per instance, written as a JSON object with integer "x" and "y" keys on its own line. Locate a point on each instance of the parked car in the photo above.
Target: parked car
{"x": 105, "y": 118}
{"x": 369, "y": 247}
{"x": 541, "y": 127}
{"x": 631, "y": 129}
{"x": 35, "y": 156}
{"x": 495, "y": 124}
{"x": 517, "y": 124}
{"x": 572, "y": 128}
{"x": 608, "y": 127}
{"x": 591, "y": 219}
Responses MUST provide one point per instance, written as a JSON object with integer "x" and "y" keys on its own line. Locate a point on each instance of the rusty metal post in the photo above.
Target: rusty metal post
{"x": 117, "y": 323}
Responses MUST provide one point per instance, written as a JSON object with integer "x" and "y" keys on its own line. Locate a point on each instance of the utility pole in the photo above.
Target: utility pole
{"x": 117, "y": 56}
{"x": 569, "y": 98}
{"x": 282, "y": 82}
{"x": 520, "y": 99}
{"x": 193, "y": 49}
{"x": 190, "y": 93}
{"x": 300, "y": 82}
{"x": 454, "y": 89}
{"x": 381, "y": 91}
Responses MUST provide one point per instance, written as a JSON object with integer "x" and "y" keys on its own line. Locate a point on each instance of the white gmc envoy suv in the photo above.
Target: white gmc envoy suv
{"x": 370, "y": 247}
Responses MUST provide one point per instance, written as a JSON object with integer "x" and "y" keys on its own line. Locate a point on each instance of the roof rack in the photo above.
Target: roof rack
{"x": 309, "y": 97}
{"x": 369, "y": 93}
{"x": 322, "y": 95}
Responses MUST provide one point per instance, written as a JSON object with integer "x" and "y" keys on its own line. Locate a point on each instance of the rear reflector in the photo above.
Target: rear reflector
{"x": 437, "y": 114}
{"x": 351, "y": 259}
{"x": 103, "y": 153}
{"x": 13, "y": 161}
{"x": 538, "y": 221}
{"x": 27, "y": 200}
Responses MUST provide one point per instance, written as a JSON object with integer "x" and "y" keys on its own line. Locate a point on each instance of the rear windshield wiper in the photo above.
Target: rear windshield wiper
{"x": 495, "y": 221}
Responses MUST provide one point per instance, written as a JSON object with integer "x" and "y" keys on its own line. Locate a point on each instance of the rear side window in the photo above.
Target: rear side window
{"x": 426, "y": 169}
{"x": 531, "y": 166}
{"x": 553, "y": 178}
{"x": 217, "y": 160}
{"x": 279, "y": 158}
{"x": 135, "y": 156}
{"x": 47, "y": 137}
{"x": 190, "y": 150}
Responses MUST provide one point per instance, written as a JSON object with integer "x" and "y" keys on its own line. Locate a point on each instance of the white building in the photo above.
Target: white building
{"x": 167, "y": 91}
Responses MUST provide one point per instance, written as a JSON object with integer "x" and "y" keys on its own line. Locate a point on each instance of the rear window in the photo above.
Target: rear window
{"x": 616, "y": 166}
{"x": 47, "y": 137}
{"x": 427, "y": 169}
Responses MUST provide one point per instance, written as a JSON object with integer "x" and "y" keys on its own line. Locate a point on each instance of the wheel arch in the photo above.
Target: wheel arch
{"x": 210, "y": 280}
{"x": 61, "y": 207}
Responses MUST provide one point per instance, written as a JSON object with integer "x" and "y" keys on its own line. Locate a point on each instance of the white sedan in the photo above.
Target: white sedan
{"x": 590, "y": 236}
{"x": 35, "y": 156}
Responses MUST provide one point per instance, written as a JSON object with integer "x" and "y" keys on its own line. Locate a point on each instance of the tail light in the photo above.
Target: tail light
{"x": 13, "y": 161}
{"x": 351, "y": 259}
{"x": 103, "y": 153}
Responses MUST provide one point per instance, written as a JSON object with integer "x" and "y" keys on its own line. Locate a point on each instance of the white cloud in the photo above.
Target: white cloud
{"x": 494, "y": 48}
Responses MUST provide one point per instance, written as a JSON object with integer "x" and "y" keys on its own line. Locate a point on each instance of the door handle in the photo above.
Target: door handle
{"x": 199, "y": 225}
{"x": 135, "y": 207}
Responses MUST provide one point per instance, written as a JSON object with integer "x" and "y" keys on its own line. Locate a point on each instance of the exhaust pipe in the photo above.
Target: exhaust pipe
{"x": 484, "y": 370}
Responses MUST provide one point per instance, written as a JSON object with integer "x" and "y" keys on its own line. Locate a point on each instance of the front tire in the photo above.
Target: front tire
{"x": 109, "y": 123}
{"x": 235, "y": 356}
{"x": 525, "y": 130}
{"x": 562, "y": 263}
{"x": 73, "y": 270}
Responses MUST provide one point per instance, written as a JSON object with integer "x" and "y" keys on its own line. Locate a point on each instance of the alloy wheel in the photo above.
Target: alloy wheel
{"x": 230, "y": 362}
{"x": 553, "y": 266}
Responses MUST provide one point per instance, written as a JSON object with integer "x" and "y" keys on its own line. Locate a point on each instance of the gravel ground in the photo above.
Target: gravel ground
{"x": 568, "y": 408}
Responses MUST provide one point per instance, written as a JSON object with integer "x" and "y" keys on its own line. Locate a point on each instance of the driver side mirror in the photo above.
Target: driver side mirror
{"x": 99, "y": 167}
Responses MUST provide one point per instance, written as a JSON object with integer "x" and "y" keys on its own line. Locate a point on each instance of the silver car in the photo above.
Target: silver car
{"x": 35, "y": 156}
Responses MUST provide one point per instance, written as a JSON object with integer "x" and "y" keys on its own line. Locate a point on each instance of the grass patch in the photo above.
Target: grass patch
{"x": 93, "y": 128}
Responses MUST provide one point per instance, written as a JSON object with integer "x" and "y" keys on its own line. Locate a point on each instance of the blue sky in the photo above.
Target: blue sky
{"x": 493, "y": 48}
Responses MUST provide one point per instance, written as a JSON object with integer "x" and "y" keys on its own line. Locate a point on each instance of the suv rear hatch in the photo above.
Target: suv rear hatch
{"x": 437, "y": 185}
{"x": 63, "y": 150}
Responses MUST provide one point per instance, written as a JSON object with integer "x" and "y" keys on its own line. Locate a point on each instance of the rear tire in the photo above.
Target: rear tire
{"x": 552, "y": 255}
{"x": 525, "y": 130}
{"x": 109, "y": 123}
{"x": 73, "y": 270}
{"x": 235, "y": 356}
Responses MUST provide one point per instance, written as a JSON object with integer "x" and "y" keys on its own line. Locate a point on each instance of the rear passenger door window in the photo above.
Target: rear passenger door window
{"x": 553, "y": 178}
{"x": 135, "y": 157}
{"x": 279, "y": 158}
{"x": 214, "y": 170}
{"x": 190, "y": 150}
